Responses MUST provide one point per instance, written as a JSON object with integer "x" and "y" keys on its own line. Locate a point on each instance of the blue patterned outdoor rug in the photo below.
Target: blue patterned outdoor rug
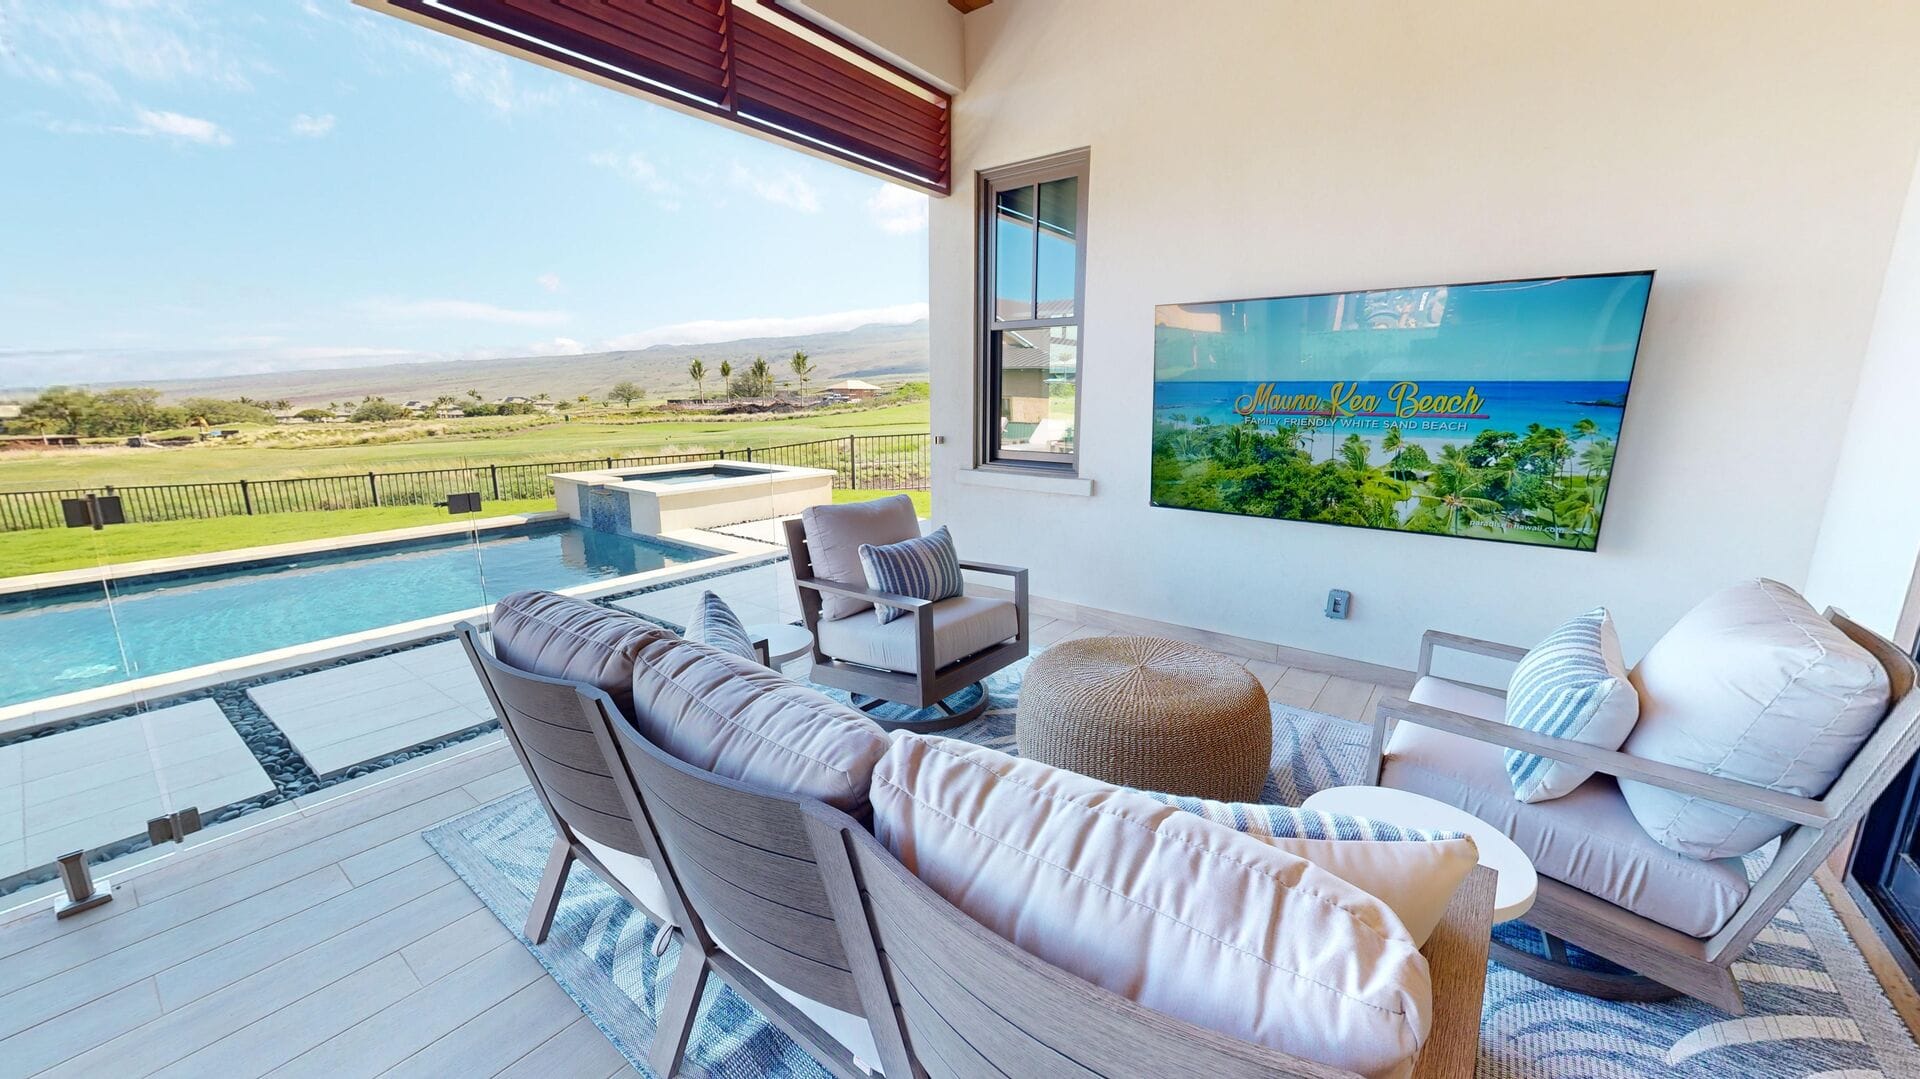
{"x": 1814, "y": 1009}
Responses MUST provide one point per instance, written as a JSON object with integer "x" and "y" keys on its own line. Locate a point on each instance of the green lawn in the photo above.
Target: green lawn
{"x": 922, "y": 500}
{"x": 423, "y": 444}
{"x": 48, "y": 549}
{"x": 44, "y": 550}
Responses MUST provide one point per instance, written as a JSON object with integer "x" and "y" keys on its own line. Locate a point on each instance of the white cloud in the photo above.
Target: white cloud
{"x": 163, "y": 124}
{"x": 788, "y": 188}
{"x": 85, "y": 46}
{"x": 711, "y": 330}
{"x": 558, "y": 346}
{"x": 897, "y": 209}
{"x": 397, "y": 310}
{"x": 313, "y": 127}
{"x": 549, "y": 281}
{"x": 637, "y": 170}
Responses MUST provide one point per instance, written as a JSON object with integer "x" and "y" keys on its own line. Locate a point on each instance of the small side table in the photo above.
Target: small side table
{"x": 784, "y": 642}
{"x": 1512, "y": 894}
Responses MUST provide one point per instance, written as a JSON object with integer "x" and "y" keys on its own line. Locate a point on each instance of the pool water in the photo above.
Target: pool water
{"x": 698, "y": 474}
{"x": 61, "y": 641}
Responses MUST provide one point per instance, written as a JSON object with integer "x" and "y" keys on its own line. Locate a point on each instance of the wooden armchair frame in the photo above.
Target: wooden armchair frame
{"x": 928, "y": 684}
{"x": 1670, "y": 962}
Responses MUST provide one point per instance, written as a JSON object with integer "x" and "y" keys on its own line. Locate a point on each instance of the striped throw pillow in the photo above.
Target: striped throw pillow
{"x": 1572, "y": 685}
{"x": 925, "y": 567}
{"x": 715, "y": 625}
{"x": 1286, "y": 822}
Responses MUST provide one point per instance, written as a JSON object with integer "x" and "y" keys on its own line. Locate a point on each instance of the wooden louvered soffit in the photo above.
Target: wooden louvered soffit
{"x": 747, "y": 61}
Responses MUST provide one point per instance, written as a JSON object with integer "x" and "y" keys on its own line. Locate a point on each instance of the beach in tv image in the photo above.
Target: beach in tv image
{"x": 1490, "y": 411}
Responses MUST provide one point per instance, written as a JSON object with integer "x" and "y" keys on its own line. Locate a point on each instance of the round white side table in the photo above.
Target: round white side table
{"x": 784, "y": 642}
{"x": 1512, "y": 894}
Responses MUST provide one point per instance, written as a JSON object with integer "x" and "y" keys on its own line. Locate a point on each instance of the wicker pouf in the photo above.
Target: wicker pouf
{"x": 1149, "y": 713}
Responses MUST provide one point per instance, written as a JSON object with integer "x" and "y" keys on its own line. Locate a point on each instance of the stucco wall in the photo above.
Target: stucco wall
{"x": 1757, "y": 156}
{"x": 1871, "y": 535}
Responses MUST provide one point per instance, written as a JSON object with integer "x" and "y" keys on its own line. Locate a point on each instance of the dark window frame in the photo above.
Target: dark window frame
{"x": 989, "y": 183}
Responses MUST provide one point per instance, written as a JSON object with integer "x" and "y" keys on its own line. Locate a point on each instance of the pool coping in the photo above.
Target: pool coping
{"x": 120, "y": 571}
{"x": 729, "y": 552}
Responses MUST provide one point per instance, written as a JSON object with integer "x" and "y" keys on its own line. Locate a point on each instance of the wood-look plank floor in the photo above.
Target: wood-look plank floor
{"x": 335, "y": 943}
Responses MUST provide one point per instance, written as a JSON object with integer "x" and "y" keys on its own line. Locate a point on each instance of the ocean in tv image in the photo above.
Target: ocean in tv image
{"x": 1489, "y": 411}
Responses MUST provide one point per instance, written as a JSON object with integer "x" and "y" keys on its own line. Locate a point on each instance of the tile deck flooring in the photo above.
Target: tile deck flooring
{"x": 100, "y": 784}
{"x": 357, "y": 712}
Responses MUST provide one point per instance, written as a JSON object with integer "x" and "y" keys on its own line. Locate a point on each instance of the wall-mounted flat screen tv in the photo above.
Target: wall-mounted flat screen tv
{"x": 1490, "y": 411}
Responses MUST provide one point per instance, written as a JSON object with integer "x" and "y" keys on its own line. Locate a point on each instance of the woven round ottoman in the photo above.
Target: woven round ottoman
{"x": 1149, "y": 713}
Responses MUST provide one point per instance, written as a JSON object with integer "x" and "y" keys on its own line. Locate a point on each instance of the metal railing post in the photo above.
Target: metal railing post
{"x": 373, "y": 485}
{"x": 853, "y": 464}
{"x": 246, "y": 497}
{"x": 494, "y": 471}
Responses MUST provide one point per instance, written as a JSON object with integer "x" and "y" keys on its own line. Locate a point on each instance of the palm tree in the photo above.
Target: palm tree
{"x": 802, "y": 370}
{"x": 726, "y": 376}
{"x": 697, "y": 371}
{"x": 1580, "y": 511}
{"x": 1452, "y": 489}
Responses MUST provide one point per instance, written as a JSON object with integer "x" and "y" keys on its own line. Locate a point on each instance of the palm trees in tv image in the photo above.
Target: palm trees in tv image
{"x": 1544, "y": 485}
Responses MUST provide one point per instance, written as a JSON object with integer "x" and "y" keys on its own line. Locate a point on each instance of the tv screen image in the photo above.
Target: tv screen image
{"x": 1489, "y": 411}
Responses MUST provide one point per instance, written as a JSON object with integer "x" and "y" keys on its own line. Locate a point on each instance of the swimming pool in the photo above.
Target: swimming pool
{"x": 63, "y": 640}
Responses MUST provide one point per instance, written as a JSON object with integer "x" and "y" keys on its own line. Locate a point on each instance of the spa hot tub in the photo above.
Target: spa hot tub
{"x": 653, "y": 499}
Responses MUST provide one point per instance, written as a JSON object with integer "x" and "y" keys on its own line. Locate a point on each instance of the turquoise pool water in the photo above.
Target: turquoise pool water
{"x": 60, "y": 641}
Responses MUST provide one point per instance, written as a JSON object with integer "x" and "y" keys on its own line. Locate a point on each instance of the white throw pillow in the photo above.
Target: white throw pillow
{"x": 1412, "y": 871}
{"x": 1753, "y": 685}
{"x": 1183, "y": 915}
{"x": 1571, "y": 685}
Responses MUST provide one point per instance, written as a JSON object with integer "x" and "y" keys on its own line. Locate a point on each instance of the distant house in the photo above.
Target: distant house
{"x": 449, "y": 412}
{"x": 418, "y": 406}
{"x": 853, "y": 387}
{"x": 9, "y": 412}
{"x": 288, "y": 415}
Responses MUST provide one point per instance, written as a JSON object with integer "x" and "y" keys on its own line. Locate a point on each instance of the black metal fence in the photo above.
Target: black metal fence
{"x": 883, "y": 462}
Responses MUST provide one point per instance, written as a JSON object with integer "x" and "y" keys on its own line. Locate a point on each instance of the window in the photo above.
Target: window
{"x": 1032, "y": 284}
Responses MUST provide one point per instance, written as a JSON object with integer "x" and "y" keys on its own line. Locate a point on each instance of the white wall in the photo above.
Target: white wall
{"x": 1871, "y": 535}
{"x": 1757, "y": 156}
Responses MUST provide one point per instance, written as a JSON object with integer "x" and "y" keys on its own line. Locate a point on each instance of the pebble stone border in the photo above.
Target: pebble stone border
{"x": 291, "y": 776}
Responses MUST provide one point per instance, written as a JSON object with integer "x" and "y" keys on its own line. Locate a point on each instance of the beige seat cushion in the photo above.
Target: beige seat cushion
{"x": 962, "y": 626}
{"x": 1164, "y": 907}
{"x": 834, "y": 536}
{"x": 557, "y": 636}
{"x": 1587, "y": 839}
{"x": 743, "y": 721}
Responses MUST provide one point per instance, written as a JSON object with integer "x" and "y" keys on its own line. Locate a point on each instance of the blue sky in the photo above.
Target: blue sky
{"x": 197, "y": 187}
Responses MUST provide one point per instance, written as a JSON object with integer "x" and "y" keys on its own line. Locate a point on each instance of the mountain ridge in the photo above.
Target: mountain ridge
{"x": 871, "y": 351}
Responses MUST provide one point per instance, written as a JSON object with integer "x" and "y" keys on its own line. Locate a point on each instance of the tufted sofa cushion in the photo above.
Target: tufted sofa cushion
{"x": 557, "y": 636}
{"x": 738, "y": 719}
{"x": 1159, "y": 905}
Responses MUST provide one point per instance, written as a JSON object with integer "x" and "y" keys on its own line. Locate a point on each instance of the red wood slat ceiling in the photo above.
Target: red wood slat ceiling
{"x": 749, "y": 65}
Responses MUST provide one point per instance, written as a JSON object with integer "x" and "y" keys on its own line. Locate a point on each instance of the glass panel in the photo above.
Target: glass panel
{"x": 1036, "y": 377}
{"x": 1013, "y": 254}
{"x": 1059, "y": 247}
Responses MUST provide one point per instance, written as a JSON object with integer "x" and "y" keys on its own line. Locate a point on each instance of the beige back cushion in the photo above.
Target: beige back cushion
{"x": 834, "y": 536}
{"x": 556, "y": 636}
{"x": 738, "y": 719}
{"x": 1158, "y": 905}
{"x": 1754, "y": 685}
